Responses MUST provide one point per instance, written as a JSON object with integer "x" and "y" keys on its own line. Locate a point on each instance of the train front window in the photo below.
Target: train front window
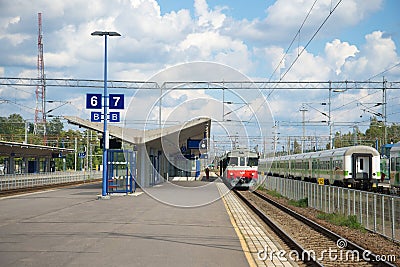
{"x": 233, "y": 161}
{"x": 242, "y": 161}
{"x": 252, "y": 162}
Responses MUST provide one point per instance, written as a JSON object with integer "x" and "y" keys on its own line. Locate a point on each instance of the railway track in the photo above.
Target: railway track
{"x": 316, "y": 245}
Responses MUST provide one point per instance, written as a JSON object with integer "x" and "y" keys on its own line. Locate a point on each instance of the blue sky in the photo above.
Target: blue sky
{"x": 236, "y": 9}
{"x": 256, "y": 27}
{"x": 359, "y": 40}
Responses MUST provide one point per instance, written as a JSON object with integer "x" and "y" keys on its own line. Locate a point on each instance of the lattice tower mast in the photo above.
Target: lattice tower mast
{"x": 40, "y": 111}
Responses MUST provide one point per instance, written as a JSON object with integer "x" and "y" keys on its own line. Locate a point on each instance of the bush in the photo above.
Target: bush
{"x": 302, "y": 203}
{"x": 274, "y": 193}
{"x": 341, "y": 220}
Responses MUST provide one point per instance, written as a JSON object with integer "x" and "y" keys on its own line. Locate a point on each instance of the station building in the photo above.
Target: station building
{"x": 163, "y": 153}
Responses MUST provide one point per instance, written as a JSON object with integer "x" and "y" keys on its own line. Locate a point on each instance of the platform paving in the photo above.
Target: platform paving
{"x": 263, "y": 248}
{"x": 170, "y": 225}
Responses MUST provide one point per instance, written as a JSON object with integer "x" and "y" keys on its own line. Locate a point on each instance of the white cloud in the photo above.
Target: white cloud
{"x": 155, "y": 40}
{"x": 352, "y": 12}
{"x": 284, "y": 17}
{"x": 208, "y": 18}
{"x": 208, "y": 44}
{"x": 273, "y": 57}
{"x": 377, "y": 54}
{"x": 308, "y": 67}
{"x": 152, "y": 40}
{"x": 337, "y": 52}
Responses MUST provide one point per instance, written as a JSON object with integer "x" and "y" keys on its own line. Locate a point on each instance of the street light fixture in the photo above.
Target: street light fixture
{"x": 105, "y": 110}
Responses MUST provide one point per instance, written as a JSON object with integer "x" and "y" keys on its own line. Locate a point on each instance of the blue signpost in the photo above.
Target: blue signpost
{"x": 97, "y": 116}
{"x": 115, "y": 101}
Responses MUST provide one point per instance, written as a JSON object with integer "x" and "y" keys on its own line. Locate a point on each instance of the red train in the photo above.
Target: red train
{"x": 239, "y": 168}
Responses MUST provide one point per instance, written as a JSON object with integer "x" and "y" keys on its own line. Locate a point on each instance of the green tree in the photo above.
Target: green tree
{"x": 393, "y": 133}
{"x": 374, "y": 132}
{"x": 12, "y": 128}
{"x": 54, "y": 127}
{"x": 296, "y": 147}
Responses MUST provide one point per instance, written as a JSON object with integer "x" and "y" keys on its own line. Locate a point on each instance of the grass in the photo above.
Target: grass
{"x": 341, "y": 220}
{"x": 261, "y": 187}
{"x": 274, "y": 193}
{"x": 302, "y": 203}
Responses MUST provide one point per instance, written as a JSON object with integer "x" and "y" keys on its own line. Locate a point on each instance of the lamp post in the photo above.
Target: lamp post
{"x": 331, "y": 145}
{"x": 303, "y": 110}
{"x": 105, "y": 110}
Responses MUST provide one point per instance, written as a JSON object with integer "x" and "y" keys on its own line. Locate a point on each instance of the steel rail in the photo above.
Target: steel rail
{"x": 310, "y": 261}
{"x": 326, "y": 232}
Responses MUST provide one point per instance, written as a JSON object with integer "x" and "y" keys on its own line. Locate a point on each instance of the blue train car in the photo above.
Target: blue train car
{"x": 395, "y": 167}
{"x": 384, "y": 184}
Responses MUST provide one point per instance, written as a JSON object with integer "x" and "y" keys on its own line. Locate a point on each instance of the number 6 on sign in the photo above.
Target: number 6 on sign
{"x": 116, "y": 101}
{"x": 93, "y": 101}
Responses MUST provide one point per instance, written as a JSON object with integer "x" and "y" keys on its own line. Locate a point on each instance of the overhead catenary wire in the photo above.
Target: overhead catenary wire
{"x": 300, "y": 53}
{"x": 305, "y": 47}
{"x": 292, "y": 42}
{"x": 29, "y": 109}
{"x": 370, "y": 94}
{"x": 385, "y": 71}
{"x": 369, "y": 79}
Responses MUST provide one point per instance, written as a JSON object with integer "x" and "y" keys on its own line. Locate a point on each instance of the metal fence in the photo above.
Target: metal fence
{"x": 376, "y": 212}
{"x": 8, "y": 182}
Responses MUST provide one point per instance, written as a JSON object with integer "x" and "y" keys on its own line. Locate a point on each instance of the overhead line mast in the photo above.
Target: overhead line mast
{"x": 40, "y": 111}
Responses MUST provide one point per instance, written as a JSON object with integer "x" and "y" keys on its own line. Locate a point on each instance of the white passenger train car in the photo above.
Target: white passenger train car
{"x": 356, "y": 166}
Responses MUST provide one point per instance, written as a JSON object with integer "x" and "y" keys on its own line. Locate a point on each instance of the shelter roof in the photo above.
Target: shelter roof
{"x": 30, "y": 150}
{"x": 135, "y": 136}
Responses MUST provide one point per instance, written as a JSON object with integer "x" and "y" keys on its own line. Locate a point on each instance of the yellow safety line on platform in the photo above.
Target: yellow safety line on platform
{"x": 243, "y": 242}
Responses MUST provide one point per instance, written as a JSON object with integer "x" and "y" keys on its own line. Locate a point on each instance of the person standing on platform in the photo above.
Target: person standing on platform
{"x": 207, "y": 173}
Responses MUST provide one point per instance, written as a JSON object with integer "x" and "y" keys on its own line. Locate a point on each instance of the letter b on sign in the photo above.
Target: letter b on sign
{"x": 114, "y": 117}
{"x": 95, "y": 116}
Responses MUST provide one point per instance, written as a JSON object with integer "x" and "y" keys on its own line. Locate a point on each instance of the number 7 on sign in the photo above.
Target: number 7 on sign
{"x": 116, "y": 101}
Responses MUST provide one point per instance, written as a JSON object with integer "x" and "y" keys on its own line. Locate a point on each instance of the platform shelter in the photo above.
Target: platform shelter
{"x": 161, "y": 153}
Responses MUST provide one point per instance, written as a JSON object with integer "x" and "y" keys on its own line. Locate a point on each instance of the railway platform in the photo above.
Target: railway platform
{"x": 173, "y": 224}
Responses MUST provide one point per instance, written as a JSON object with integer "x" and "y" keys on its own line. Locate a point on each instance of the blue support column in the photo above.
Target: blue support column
{"x": 105, "y": 135}
{"x": 105, "y": 110}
